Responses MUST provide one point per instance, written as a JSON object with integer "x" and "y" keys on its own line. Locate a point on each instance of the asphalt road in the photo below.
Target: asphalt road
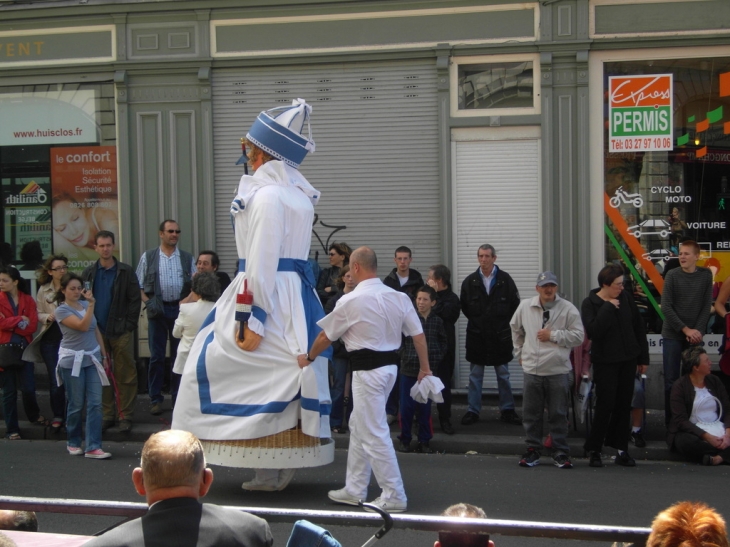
{"x": 612, "y": 495}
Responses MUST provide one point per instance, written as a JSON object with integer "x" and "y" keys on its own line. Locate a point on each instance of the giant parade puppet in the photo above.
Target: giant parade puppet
{"x": 242, "y": 392}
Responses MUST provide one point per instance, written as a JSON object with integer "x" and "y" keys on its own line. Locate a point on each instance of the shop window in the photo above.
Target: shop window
{"x": 57, "y": 170}
{"x": 666, "y": 169}
{"x": 495, "y": 85}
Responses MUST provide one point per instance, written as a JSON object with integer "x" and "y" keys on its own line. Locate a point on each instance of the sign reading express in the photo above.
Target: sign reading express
{"x": 640, "y": 113}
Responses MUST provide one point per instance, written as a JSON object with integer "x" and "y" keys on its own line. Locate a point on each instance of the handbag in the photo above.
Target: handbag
{"x": 716, "y": 428}
{"x": 11, "y": 356}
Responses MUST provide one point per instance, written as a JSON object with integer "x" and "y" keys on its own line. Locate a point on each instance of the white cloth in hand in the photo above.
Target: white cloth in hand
{"x": 428, "y": 388}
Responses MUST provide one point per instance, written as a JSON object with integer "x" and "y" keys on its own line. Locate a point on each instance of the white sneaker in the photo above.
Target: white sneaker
{"x": 97, "y": 454}
{"x": 285, "y": 477}
{"x": 260, "y": 486}
{"x": 74, "y": 450}
{"x": 343, "y": 496}
{"x": 389, "y": 506}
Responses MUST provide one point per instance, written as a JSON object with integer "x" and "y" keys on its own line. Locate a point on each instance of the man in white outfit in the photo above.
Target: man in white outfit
{"x": 370, "y": 321}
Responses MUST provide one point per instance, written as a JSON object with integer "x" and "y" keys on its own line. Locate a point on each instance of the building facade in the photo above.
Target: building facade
{"x": 566, "y": 133}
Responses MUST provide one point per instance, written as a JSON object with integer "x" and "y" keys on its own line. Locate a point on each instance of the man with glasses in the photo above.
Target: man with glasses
{"x": 164, "y": 275}
{"x": 544, "y": 328}
{"x": 116, "y": 290}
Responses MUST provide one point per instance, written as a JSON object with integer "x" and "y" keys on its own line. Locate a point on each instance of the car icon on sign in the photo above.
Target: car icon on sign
{"x": 656, "y": 255}
{"x": 650, "y": 227}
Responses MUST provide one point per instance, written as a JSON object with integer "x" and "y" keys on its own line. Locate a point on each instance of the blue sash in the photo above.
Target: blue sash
{"x": 313, "y": 310}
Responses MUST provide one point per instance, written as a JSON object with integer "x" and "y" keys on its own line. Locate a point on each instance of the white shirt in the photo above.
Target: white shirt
{"x": 487, "y": 279}
{"x": 372, "y": 316}
{"x": 704, "y": 408}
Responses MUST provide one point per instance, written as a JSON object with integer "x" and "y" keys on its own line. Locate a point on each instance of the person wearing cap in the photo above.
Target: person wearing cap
{"x": 238, "y": 389}
{"x": 544, "y": 329}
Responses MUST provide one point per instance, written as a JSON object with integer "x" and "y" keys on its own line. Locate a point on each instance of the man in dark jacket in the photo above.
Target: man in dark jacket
{"x": 403, "y": 278}
{"x": 489, "y": 298}
{"x": 448, "y": 308}
{"x": 408, "y": 281}
{"x": 118, "y": 301}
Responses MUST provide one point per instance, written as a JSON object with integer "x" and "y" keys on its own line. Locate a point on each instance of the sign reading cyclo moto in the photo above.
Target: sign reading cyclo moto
{"x": 640, "y": 113}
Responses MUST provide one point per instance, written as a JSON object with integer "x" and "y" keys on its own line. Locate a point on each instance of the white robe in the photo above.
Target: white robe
{"x": 227, "y": 393}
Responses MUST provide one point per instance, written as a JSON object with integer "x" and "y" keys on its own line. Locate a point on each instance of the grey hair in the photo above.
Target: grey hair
{"x": 207, "y": 286}
{"x": 487, "y": 247}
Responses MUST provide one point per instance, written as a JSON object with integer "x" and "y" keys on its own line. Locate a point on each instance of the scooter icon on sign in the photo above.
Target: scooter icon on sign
{"x": 621, "y": 196}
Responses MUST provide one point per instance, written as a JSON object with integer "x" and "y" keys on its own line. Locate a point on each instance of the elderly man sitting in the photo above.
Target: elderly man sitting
{"x": 173, "y": 477}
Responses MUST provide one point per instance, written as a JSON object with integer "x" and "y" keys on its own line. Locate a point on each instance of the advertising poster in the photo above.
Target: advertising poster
{"x": 666, "y": 176}
{"x": 84, "y": 201}
{"x": 640, "y": 113}
{"x": 27, "y": 212}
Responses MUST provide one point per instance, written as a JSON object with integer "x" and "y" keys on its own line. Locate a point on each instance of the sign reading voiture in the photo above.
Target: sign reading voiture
{"x": 640, "y": 113}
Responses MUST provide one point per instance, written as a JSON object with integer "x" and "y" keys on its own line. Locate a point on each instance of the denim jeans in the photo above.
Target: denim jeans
{"x": 84, "y": 388}
{"x": 49, "y": 352}
{"x": 22, "y": 378}
{"x": 551, "y": 392}
{"x": 409, "y": 407}
{"x": 160, "y": 331}
{"x": 476, "y": 381}
{"x": 337, "y": 391}
{"x": 671, "y": 358}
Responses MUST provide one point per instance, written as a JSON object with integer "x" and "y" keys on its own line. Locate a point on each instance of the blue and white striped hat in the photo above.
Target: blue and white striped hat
{"x": 279, "y": 132}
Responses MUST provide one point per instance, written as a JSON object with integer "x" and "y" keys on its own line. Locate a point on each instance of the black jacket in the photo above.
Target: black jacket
{"x": 488, "y": 334}
{"x": 415, "y": 282}
{"x": 126, "y": 300}
{"x": 448, "y": 308}
{"x": 616, "y": 334}
{"x": 682, "y": 400}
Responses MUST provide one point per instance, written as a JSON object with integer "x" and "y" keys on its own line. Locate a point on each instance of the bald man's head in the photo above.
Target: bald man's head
{"x": 365, "y": 257}
{"x": 172, "y": 458}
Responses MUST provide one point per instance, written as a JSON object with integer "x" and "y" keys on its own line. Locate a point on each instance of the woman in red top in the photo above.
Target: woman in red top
{"x": 18, "y": 322}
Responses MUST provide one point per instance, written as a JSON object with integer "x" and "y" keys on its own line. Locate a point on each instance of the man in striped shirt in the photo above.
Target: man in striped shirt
{"x": 686, "y": 304}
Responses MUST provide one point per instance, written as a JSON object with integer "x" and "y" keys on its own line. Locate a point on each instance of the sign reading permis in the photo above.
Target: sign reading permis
{"x": 640, "y": 113}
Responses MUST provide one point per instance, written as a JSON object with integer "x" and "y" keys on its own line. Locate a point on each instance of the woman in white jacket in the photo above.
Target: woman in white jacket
{"x": 204, "y": 292}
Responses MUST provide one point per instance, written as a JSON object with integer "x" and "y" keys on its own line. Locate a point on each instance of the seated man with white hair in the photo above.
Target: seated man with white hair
{"x": 173, "y": 477}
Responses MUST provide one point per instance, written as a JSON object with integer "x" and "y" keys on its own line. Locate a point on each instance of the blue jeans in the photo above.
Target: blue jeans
{"x": 476, "y": 380}
{"x": 160, "y": 331}
{"x": 409, "y": 407}
{"x": 84, "y": 388}
{"x": 551, "y": 392}
{"x": 337, "y": 391}
{"x": 49, "y": 352}
{"x": 22, "y": 378}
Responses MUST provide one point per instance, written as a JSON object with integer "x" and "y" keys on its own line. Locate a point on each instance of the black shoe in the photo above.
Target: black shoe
{"x": 562, "y": 461}
{"x": 423, "y": 448}
{"x": 531, "y": 458}
{"x": 106, "y": 424}
{"x": 623, "y": 458}
{"x": 470, "y": 418}
{"x": 405, "y": 447}
{"x": 446, "y": 427}
{"x": 595, "y": 459}
{"x": 637, "y": 437}
{"x": 510, "y": 417}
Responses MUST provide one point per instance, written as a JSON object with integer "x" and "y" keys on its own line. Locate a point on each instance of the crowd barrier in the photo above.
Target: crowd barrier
{"x": 421, "y": 523}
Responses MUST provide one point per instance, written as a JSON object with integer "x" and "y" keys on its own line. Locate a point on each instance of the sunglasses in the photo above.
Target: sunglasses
{"x": 333, "y": 254}
{"x": 173, "y": 231}
{"x": 60, "y": 269}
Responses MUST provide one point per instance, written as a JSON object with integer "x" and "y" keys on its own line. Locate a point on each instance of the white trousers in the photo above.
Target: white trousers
{"x": 371, "y": 448}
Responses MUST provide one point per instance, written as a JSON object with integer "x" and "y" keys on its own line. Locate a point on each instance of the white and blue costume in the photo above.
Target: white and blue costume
{"x": 227, "y": 393}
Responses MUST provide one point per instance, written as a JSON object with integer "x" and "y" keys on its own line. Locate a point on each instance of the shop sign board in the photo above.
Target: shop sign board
{"x": 85, "y": 200}
{"x": 640, "y": 113}
{"x": 64, "y": 119}
{"x": 27, "y": 213}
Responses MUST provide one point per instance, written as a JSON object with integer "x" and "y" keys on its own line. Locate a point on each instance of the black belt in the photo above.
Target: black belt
{"x": 171, "y": 302}
{"x": 368, "y": 359}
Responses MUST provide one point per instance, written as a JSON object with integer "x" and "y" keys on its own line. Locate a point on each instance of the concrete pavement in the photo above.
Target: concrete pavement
{"x": 487, "y": 436}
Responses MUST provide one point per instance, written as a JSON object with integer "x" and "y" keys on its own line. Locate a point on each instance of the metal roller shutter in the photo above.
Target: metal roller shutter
{"x": 497, "y": 196}
{"x": 376, "y": 160}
